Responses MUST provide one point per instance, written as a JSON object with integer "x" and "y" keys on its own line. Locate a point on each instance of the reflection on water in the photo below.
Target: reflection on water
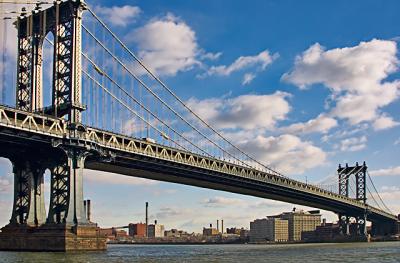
{"x": 304, "y": 253}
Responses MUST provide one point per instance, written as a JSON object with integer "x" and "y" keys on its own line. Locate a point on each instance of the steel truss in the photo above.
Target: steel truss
{"x": 64, "y": 21}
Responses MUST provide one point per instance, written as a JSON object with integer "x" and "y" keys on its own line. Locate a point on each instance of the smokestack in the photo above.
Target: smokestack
{"x": 147, "y": 219}
{"x": 210, "y": 225}
{"x": 88, "y": 211}
{"x": 222, "y": 226}
{"x": 217, "y": 225}
{"x": 85, "y": 208}
{"x": 155, "y": 222}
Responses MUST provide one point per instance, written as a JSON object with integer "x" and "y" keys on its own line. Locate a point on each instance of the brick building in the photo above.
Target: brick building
{"x": 137, "y": 230}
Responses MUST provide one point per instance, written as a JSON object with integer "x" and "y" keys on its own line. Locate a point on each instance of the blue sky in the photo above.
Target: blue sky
{"x": 316, "y": 81}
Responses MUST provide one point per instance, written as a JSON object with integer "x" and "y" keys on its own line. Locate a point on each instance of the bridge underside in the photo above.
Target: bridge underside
{"x": 31, "y": 153}
{"x": 144, "y": 167}
{"x": 168, "y": 171}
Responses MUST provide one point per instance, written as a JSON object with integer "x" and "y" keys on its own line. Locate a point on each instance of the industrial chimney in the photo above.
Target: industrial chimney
{"x": 222, "y": 226}
{"x": 147, "y": 219}
{"x": 88, "y": 211}
{"x": 217, "y": 225}
{"x": 84, "y": 207}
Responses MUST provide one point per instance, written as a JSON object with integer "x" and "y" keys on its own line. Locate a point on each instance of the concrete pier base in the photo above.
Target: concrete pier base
{"x": 52, "y": 237}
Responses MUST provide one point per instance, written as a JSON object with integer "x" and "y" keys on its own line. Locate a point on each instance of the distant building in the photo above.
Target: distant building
{"x": 210, "y": 231}
{"x": 324, "y": 232}
{"x": 112, "y": 233}
{"x": 301, "y": 221}
{"x": 233, "y": 230}
{"x": 106, "y": 232}
{"x": 175, "y": 233}
{"x": 269, "y": 229}
{"x": 120, "y": 233}
{"x": 156, "y": 230}
{"x": 244, "y": 234}
{"x": 137, "y": 230}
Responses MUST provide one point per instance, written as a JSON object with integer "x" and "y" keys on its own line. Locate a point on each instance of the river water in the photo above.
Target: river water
{"x": 303, "y": 253}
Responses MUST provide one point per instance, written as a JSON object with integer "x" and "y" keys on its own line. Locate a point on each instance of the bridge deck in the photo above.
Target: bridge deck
{"x": 55, "y": 130}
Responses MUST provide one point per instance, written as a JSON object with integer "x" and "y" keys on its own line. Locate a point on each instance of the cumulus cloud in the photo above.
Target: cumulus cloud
{"x": 353, "y": 144}
{"x": 286, "y": 153}
{"x": 355, "y": 75}
{"x": 259, "y": 62}
{"x": 384, "y": 122}
{"x": 321, "y": 124}
{"x": 391, "y": 171}
{"x": 167, "y": 45}
{"x": 118, "y": 15}
{"x": 263, "y": 59}
{"x": 111, "y": 178}
{"x": 243, "y": 112}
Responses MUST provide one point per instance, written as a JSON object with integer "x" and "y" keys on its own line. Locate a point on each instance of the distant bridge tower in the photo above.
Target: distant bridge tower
{"x": 66, "y": 225}
{"x": 345, "y": 173}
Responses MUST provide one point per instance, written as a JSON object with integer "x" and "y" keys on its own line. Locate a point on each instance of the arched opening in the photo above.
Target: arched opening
{"x": 47, "y": 69}
{"x": 6, "y": 191}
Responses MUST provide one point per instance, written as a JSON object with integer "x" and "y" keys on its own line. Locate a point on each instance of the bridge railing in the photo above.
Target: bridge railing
{"x": 39, "y": 123}
{"x": 48, "y": 125}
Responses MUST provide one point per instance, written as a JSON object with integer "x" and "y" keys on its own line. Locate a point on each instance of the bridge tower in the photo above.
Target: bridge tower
{"x": 65, "y": 227}
{"x": 345, "y": 173}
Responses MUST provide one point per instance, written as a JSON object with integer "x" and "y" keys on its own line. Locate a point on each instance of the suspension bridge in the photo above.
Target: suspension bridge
{"x": 105, "y": 110}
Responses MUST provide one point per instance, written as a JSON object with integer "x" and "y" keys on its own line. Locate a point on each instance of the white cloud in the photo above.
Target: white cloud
{"x": 384, "y": 122}
{"x": 211, "y": 56}
{"x": 248, "y": 78}
{"x": 263, "y": 59}
{"x": 353, "y": 144}
{"x": 167, "y": 45}
{"x": 220, "y": 201}
{"x": 118, "y": 179}
{"x": 118, "y": 15}
{"x": 355, "y": 75}
{"x": 243, "y": 112}
{"x": 392, "y": 171}
{"x": 320, "y": 124}
{"x": 286, "y": 153}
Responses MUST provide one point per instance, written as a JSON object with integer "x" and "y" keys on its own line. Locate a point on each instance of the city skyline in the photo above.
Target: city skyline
{"x": 281, "y": 87}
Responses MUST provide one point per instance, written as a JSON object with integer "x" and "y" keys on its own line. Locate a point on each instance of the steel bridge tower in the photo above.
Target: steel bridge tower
{"x": 345, "y": 173}
{"x": 66, "y": 226}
